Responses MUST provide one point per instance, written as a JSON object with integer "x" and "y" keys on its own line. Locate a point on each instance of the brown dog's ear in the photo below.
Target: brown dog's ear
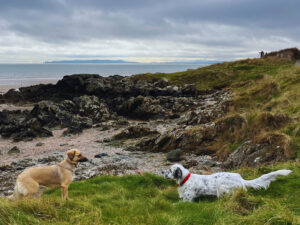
{"x": 71, "y": 154}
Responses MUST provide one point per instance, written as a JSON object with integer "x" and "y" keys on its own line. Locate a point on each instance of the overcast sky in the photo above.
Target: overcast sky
{"x": 33, "y": 31}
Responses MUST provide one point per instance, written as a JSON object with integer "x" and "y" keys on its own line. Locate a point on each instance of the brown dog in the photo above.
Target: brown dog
{"x": 59, "y": 175}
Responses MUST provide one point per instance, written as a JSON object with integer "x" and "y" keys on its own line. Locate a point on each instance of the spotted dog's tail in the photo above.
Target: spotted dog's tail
{"x": 265, "y": 180}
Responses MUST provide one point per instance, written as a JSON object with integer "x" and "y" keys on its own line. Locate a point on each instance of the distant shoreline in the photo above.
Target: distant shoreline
{"x": 90, "y": 61}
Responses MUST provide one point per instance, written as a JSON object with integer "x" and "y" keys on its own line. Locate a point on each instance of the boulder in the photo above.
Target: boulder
{"x": 90, "y": 106}
{"x": 142, "y": 107}
{"x": 134, "y": 132}
{"x": 100, "y": 155}
{"x": 13, "y": 95}
{"x": 254, "y": 154}
{"x": 39, "y": 144}
{"x": 14, "y": 150}
{"x": 174, "y": 155}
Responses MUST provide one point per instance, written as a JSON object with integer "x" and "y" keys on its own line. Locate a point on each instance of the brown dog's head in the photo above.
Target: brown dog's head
{"x": 76, "y": 156}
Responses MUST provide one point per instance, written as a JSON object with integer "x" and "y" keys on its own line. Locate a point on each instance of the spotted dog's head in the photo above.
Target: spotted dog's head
{"x": 177, "y": 172}
{"x": 75, "y": 156}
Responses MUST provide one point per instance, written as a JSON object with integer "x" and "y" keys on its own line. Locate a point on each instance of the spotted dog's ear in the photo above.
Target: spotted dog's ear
{"x": 178, "y": 173}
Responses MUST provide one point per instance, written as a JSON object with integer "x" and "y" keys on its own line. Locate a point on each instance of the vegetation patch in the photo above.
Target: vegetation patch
{"x": 264, "y": 91}
{"x": 150, "y": 199}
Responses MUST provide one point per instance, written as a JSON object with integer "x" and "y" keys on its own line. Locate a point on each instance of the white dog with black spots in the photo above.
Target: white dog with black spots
{"x": 192, "y": 186}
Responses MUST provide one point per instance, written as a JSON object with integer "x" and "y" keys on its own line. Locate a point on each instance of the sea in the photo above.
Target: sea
{"x": 26, "y": 74}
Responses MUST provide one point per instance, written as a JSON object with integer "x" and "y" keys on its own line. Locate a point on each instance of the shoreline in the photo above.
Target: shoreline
{"x": 6, "y": 87}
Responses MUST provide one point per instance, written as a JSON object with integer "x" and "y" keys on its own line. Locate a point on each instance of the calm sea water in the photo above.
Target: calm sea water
{"x": 25, "y": 74}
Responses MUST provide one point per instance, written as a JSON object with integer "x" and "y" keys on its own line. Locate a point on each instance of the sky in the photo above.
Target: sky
{"x": 34, "y": 31}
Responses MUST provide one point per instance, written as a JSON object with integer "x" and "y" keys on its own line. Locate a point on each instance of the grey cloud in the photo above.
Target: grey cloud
{"x": 207, "y": 24}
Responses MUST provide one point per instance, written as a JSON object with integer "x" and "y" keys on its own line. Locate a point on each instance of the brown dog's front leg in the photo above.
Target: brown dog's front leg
{"x": 64, "y": 192}
{"x": 67, "y": 193}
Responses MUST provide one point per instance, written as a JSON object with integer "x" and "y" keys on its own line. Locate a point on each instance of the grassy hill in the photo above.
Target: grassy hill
{"x": 149, "y": 199}
{"x": 266, "y": 93}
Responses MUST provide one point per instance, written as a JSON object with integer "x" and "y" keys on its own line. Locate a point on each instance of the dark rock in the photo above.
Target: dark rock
{"x": 39, "y": 144}
{"x": 209, "y": 163}
{"x": 49, "y": 159}
{"x": 14, "y": 150}
{"x": 142, "y": 107}
{"x": 22, "y": 164}
{"x": 190, "y": 163}
{"x": 63, "y": 114}
{"x": 13, "y": 95}
{"x": 175, "y": 155}
{"x": 122, "y": 122}
{"x": 135, "y": 132}
{"x": 63, "y": 144}
{"x": 100, "y": 155}
{"x": 131, "y": 148}
{"x": 4, "y": 118}
{"x": 90, "y": 106}
{"x": 107, "y": 140}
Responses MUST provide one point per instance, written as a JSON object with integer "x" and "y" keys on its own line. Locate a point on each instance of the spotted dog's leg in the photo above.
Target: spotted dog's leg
{"x": 189, "y": 196}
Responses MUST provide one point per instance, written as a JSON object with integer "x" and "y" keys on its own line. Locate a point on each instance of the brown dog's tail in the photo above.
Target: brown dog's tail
{"x": 11, "y": 197}
{"x": 19, "y": 191}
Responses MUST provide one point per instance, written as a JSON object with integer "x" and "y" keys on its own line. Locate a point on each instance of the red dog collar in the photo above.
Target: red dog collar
{"x": 185, "y": 179}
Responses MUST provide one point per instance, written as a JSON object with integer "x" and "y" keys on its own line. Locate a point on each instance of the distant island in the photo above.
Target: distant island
{"x": 123, "y": 61}
{"x": 89, "y": 61}
{"x": 206, "y": 62}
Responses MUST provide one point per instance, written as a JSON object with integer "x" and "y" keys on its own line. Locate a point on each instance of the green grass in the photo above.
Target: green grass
{"x": 149, "y": 199}
{"x": 224, "y": 74}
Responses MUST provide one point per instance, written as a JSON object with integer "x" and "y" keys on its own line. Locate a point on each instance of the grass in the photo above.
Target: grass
{"x": 223, "y": 74}
{"x": 264, "y": 91}
{"x": 150, "y": 199}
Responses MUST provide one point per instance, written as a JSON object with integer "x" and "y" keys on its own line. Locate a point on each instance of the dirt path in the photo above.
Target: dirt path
{"x": 298, "y": 63}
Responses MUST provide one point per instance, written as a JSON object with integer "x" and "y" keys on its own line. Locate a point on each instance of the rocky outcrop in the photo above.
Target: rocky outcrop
{"x": 254, "y": 154}
{"x": 19, "y": 126}
{"x": 102, "y": 87}
{"x": 195, "y": 138}
{"x": 214, "y": 106}
{"x": 78, "y": 102}
{"x": 77, "y": 114}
